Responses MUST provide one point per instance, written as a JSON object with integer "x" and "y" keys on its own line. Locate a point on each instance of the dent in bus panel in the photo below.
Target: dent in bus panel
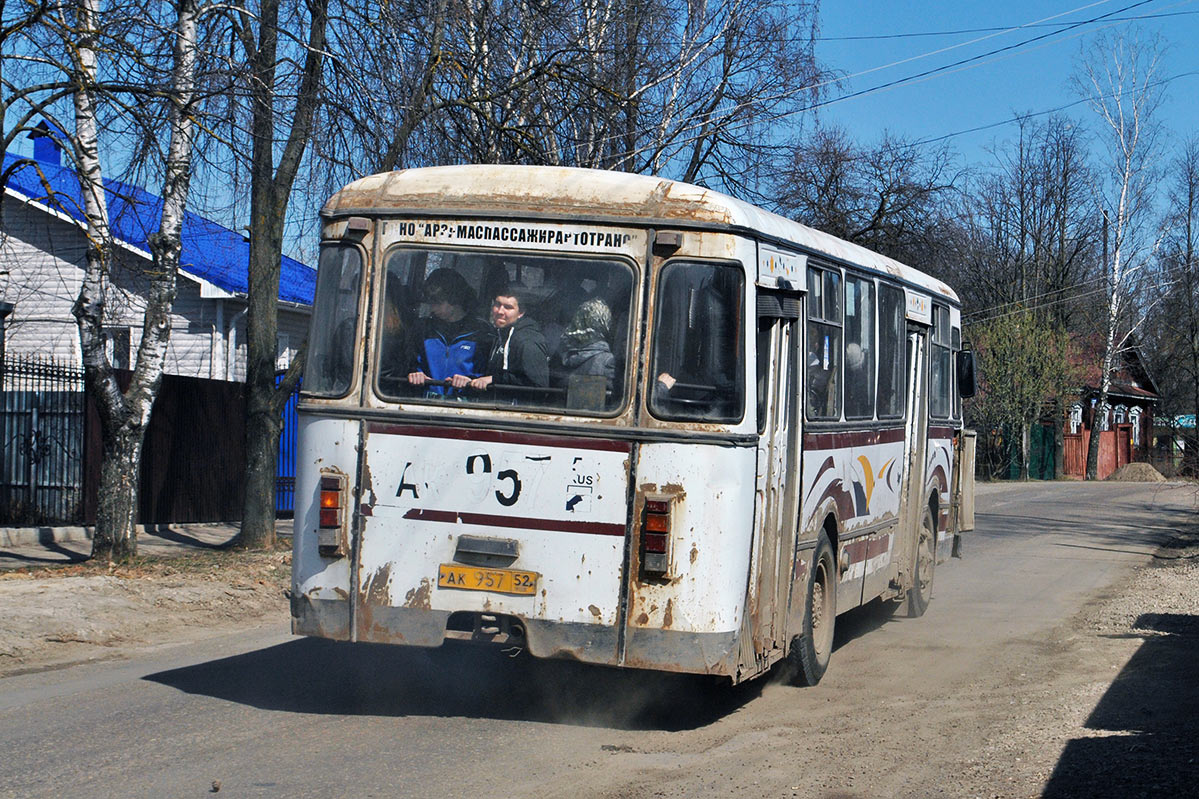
{"x": 500, "y": 330}
{"x": 697, "y": 346}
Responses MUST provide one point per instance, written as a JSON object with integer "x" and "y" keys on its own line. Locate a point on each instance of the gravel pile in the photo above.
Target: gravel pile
{"x": 1137, "y": 473}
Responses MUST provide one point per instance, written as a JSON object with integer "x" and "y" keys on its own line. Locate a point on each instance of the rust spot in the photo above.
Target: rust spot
{"x": 377, "y": 590}
{"x": 341, "y": 592}
{"x": 643, "y": 619}
{"x": 694, "y": 552}
{"x": 419, "y": 597}
{"x": 594, "y": 611}
{"x": 668, "y": 614}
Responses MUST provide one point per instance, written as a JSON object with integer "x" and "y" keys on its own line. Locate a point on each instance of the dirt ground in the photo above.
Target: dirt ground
{"x": 59, "y": 615}
{"x": 1106, "y": 705}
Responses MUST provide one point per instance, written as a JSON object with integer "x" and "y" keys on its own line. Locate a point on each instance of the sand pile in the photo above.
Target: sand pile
{"x": 1137, "y": 473}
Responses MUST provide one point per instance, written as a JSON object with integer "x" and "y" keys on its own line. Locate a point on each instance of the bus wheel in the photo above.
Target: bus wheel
{"x": 921, "y": 592}
{"x": 810, "y": 651}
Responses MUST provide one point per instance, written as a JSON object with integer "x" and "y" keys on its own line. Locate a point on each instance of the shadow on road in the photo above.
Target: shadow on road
{"x": 330, "y": 677}
{"x": 1151, "y": 711}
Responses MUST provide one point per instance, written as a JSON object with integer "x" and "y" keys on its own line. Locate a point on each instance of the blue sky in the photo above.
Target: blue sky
{"x": 1028, "y": 77}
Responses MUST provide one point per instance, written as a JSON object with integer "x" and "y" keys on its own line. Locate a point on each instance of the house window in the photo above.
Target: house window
{"x": 1120, "y": 413}
{"x": 1075, "y": 419}
{"x": 116, "y": 347}
{"x": 1134, "y": 416}
{"x": 283, "y": 353}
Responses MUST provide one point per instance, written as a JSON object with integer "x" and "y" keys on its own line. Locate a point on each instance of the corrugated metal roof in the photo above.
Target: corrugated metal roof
{"x": 211, "y": 252}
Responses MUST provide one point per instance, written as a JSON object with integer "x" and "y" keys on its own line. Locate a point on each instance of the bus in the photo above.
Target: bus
{"x": 617, "y": 419}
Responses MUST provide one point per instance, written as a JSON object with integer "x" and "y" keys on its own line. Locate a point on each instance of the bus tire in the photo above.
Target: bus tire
{"x": 812, "y": 648}
{"x": 921, "y": 592}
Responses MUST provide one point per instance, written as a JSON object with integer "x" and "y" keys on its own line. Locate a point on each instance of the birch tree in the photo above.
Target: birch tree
{"x": 91, "y": 55}
{"x": 125, "y": 416}
{"x": 1119, "y": 77}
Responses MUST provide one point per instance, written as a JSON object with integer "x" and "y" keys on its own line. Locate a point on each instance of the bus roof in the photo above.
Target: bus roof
{"x": 615, "y": 197}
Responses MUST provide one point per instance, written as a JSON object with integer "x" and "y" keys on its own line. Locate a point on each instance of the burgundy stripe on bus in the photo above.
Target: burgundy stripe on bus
{"x": 516, "y": 522}
{"x": 862, "y": 438}
{"x": 941, "y": 432}
{"x": 498, "y": 436}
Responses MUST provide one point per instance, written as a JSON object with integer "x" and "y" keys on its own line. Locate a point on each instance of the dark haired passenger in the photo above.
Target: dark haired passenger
{"x": 520, "y": 357}
{"x": 451, "y": 346}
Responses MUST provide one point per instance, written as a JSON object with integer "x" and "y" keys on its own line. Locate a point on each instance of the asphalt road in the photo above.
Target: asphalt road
{"x": 904, "y": 705}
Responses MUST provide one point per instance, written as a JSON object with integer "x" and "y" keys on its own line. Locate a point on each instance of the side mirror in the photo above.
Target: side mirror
{"x": 966, "y": 380}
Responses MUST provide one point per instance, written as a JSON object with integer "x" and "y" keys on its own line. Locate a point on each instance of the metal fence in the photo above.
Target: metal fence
{"x": 42, "y": 419}
{"x": 285, "y": 477}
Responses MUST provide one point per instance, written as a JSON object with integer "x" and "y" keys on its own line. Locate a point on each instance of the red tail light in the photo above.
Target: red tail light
{"x": 331, "y": 524}
{"x": 331, "y": 502}
{"x": 655, "y": 537}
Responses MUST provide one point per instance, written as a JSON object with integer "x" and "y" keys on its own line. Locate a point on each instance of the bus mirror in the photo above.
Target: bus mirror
{"x": 966, "y": 379}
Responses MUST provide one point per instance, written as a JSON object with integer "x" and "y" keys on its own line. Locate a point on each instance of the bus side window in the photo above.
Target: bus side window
{"x": 824, "y": 344}
{"x": 891, "y": 360}
{"x": 859, "y": 348}
{"x": 939, "y": 367}
{"x": 330, "y": 366}
{"x": 697, "y": 346}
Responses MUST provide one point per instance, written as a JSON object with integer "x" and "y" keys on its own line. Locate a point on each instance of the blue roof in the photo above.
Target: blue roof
{"x": 210, "y": 251}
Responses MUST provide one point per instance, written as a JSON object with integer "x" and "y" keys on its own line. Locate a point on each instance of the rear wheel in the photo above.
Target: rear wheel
{"x": 812, "y": 648}
{"x": 921, "y": 592}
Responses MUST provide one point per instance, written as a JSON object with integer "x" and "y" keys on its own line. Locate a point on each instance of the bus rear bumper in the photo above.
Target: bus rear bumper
{"x": 658, "y": 650}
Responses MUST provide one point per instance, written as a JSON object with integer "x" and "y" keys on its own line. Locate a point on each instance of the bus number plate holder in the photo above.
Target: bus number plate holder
{"x": 499, "y": 581}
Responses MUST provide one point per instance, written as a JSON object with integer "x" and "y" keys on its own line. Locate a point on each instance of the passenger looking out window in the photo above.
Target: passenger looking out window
{"x": 452, "y": 346}
{"x": 584, "y": 350}
{"x": 520, "y": 357}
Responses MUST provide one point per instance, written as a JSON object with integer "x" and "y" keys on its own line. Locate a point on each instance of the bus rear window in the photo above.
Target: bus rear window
{"x": 505, "y": 330}
{"x": 697, "y": 344}
{"x": 330, "y": 366}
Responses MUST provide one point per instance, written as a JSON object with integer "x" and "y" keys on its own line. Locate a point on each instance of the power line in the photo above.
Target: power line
{"x": 964, "y": 31}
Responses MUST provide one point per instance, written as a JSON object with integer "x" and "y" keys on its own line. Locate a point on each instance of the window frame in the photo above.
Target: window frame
{"x": 824, "y": 268}
{"x": 631, "y": 337}
{"x": 743, "y": 331}
{"x": 364, "y": 264}
{"x": 873, "y": 283}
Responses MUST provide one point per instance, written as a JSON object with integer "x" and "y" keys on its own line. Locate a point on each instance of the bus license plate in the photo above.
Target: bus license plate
{"x": 501, "y": 581}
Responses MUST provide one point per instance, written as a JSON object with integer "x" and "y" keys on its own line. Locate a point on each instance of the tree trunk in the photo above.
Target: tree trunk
{"x": 115, "y": 538}
{"x": 1059, "y": 441}
{"x": 269, "y": 192}
{"x": 1025, "y": 436}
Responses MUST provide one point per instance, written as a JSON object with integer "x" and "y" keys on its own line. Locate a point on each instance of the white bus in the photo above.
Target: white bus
{"x": 617, "y": 419}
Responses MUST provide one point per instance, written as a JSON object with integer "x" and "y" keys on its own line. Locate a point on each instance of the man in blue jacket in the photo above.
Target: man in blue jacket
{"x": 451, "y": 346}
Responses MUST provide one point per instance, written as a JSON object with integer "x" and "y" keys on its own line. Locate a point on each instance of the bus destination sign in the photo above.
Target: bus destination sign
{"x": 518, "y": 235}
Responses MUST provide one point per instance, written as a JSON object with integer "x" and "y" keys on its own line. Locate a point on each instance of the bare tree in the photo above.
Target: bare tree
{"x": 1175, "y": 324}
{"x": 283, "y": 91}
{"x": 890, "y": 197}
{"x": 71, "y": 45}
{"x": 1118, "y": 75}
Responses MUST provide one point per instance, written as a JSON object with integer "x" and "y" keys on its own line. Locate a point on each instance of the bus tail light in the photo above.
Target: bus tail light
{"x": 334, "y": 504}
{"x": 655, "y": 537}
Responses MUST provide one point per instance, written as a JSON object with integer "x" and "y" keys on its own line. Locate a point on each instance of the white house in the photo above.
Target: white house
{"x": 42, "y": 248}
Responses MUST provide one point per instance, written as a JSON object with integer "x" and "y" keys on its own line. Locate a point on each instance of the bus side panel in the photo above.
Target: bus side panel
{"x": 940, "y": 478}
{"x": 320, "y": 585}
{"x": 857, "y": 477}
{"x": 558, "y": 505}
{"x": 690, "y": 619}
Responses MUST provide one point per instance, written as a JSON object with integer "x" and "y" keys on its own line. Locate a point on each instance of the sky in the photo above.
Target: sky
{"x": 872, "y": 44}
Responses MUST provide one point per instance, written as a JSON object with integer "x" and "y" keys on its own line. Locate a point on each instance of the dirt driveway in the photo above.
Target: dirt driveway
{"x": 1057, "y": 659}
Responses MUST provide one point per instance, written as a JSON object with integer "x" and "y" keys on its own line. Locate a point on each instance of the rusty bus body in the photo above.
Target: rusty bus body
{"x": 707, "y": 502}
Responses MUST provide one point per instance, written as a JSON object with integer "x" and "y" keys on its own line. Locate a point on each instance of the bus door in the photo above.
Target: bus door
{"x": 915, "y": 437}
{"x": 778, "y": 483}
